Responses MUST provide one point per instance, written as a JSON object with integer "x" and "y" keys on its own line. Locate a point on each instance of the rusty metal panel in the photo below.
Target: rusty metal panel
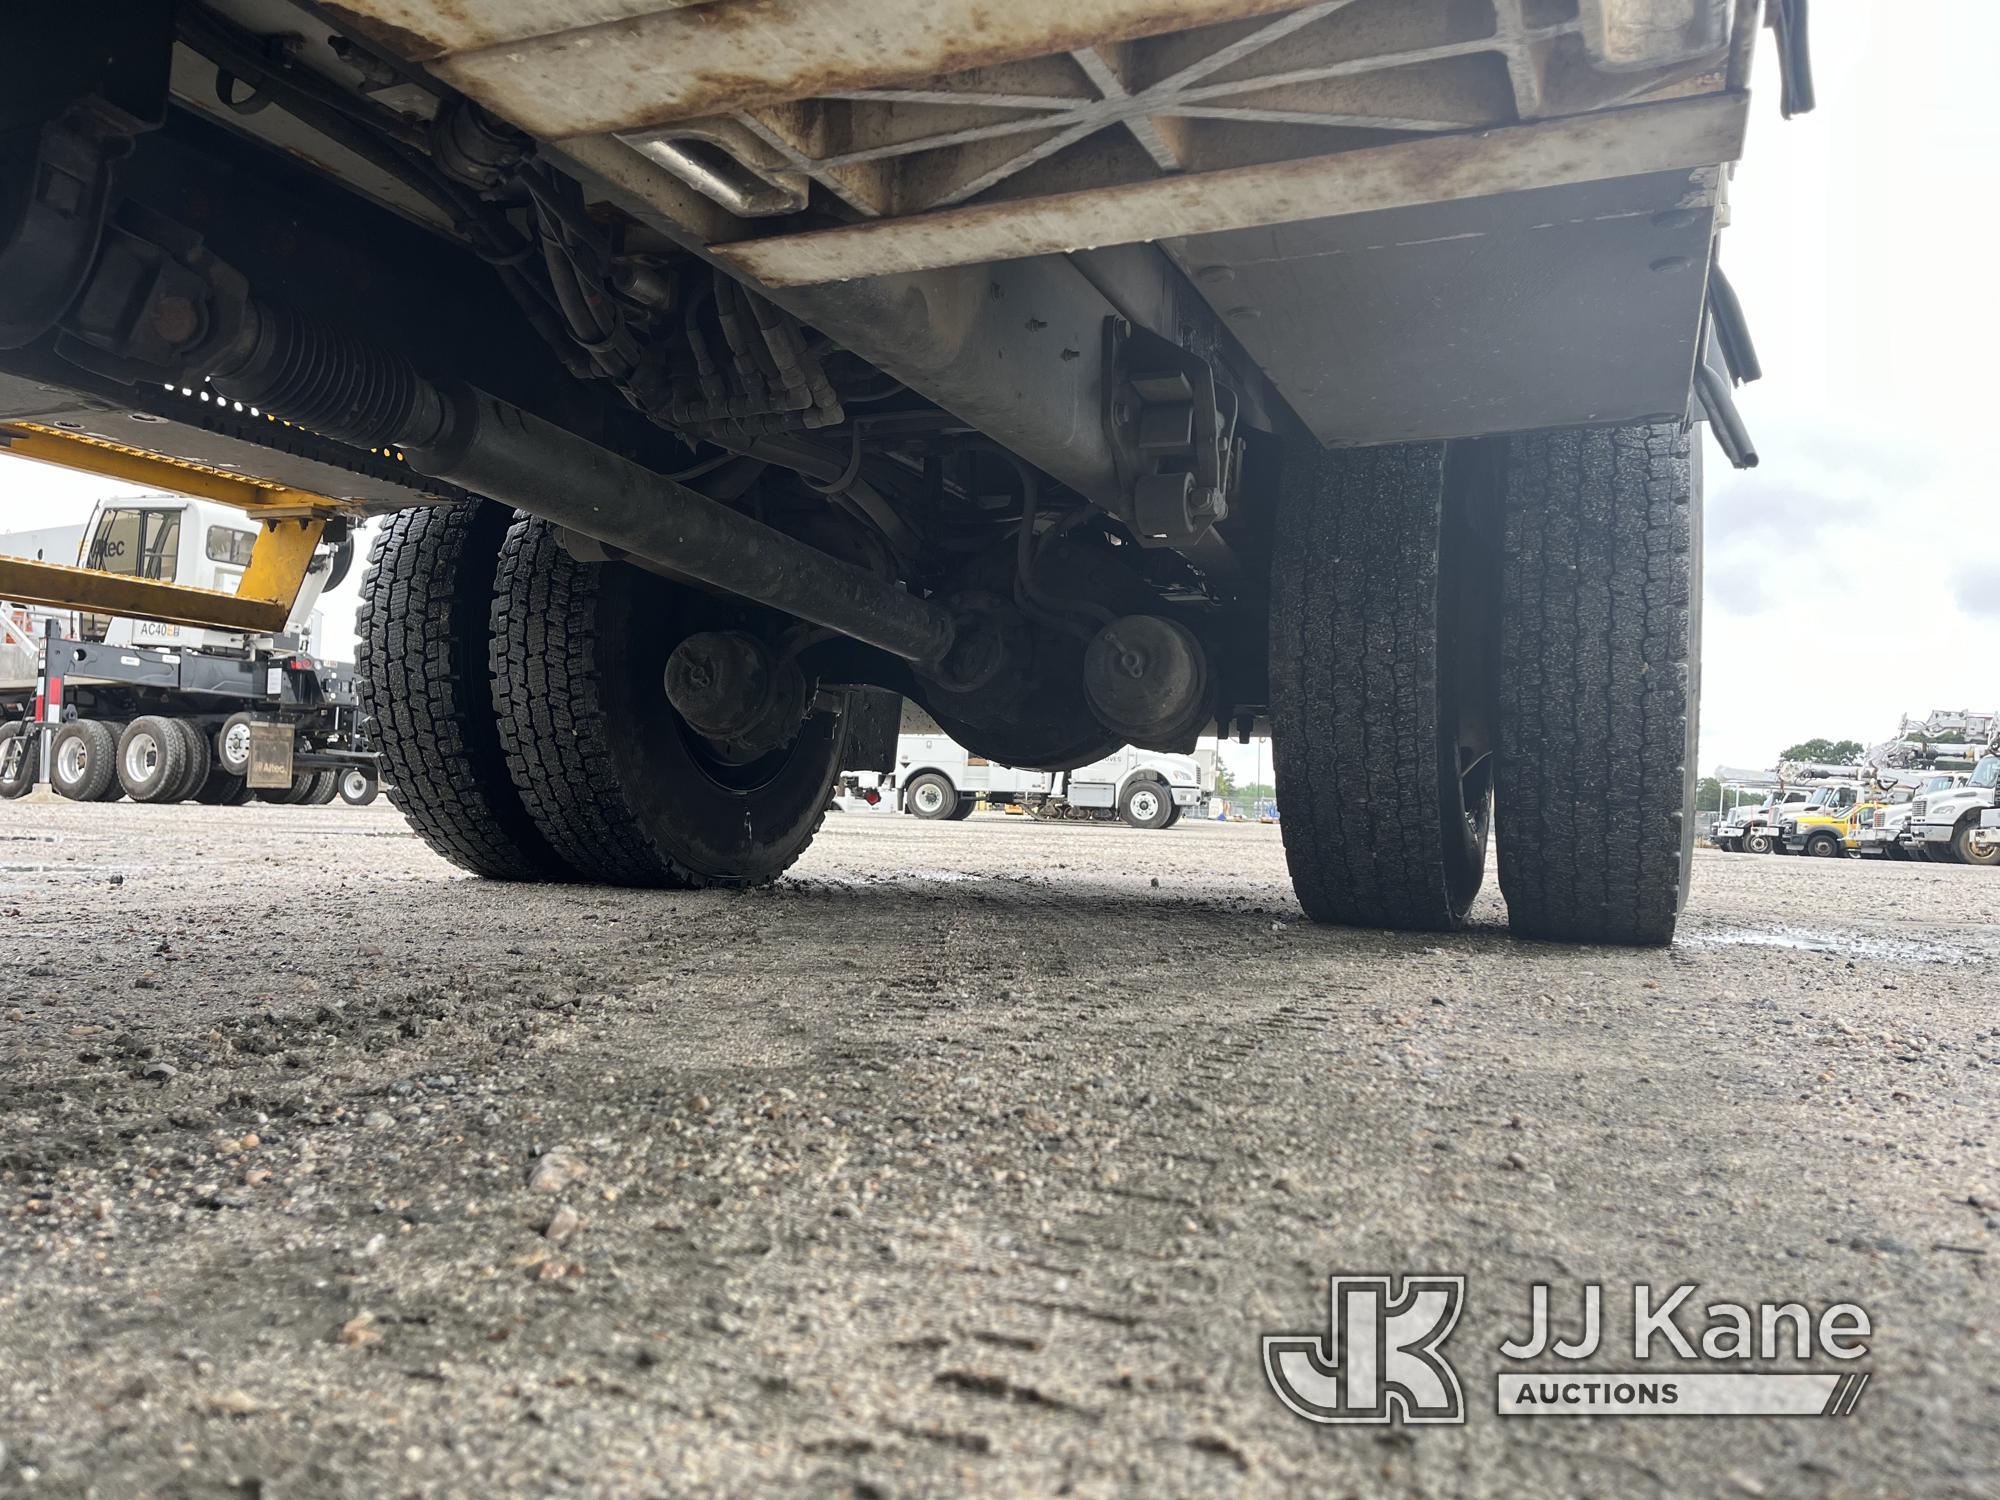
{"x": 1681, "y": 133}
{"x": 1569, "y": 305}
{"x": 423, "y": 29}
{"x": 1628, "y": 34}
{"x": 685, "y": 63}
{"x": 894, "y": 108}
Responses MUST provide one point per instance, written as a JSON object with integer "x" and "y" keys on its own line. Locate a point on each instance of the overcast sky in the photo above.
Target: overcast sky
{"x": 1855, "y": 576}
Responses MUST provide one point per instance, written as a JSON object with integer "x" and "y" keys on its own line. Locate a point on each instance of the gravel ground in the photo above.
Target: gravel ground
{"x": 972, "y": 1158}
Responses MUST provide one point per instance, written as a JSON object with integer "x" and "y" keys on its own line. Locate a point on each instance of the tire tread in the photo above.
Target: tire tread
{"x": 1355, "y": 683}
{"x": 1597, "y": 685}
{"x": 421, "y": 670}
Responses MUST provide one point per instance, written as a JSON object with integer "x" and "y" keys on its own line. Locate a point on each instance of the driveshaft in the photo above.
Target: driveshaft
{"x": 337, "y": 383}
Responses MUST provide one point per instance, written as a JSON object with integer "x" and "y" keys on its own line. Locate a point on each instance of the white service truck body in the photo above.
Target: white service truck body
{"x": 172, "y": 707}
{"x": 936, "y": 777}
{"x": 1959, "y": 823}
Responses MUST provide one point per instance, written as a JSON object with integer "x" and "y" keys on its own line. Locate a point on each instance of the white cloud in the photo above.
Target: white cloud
{"x": 1847, "y": 577}
{"x": 1976, "y": 587}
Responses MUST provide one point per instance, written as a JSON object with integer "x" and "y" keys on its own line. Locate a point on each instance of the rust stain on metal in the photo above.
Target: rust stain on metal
{"x": 423, "y": 29}
{"x": 683, "y": 63}
{"x": 400, "y": 41}
{"x": 1619, "y": 143}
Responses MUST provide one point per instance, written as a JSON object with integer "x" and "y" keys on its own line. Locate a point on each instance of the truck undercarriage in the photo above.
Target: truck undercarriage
{"x": 1087, "y": 374}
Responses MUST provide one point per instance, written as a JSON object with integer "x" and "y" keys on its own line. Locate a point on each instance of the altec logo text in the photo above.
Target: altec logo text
{"x": 1382, "y": 1357}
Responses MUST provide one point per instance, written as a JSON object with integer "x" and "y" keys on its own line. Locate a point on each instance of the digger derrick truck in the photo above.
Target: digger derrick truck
{"x": 1088, "y": 372}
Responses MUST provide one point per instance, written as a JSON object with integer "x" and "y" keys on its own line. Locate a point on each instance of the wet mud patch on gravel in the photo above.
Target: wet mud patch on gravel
{"x": 1833, "y": 944}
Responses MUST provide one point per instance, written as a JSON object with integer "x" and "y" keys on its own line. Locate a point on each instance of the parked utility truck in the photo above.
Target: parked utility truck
{"x": 1887, "y": 833}
{"x": 103, "y": 705}
{"x": 936, "y": 777}
{"x": 1946, "y": 820}
{"x": 1090, "y": 374}
{"x": 1952, "y": 825}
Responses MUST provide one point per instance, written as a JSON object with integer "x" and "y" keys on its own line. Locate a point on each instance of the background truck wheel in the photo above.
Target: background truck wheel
{"x": 1824, "y": 846}
{"x": 967, "y": 806}
{"x": 1940, "y": 853}
{"x": 152, "y": 759}
{"x": 1756, "y": 843}
{"x": 421, "y": 670}
{"x": 222, "y": 790}
{"x": 619, "y": 784}
{"x": 200, "y": 760}
{"x": 931, "y": 796}
{"x": 1382, "y": 590}
{"x": 324, "y": 788}
{"x": 1146, "y": 804}
{"x": 357, "y": 787}
{"x": 232, "y": 744}
{"x": 84, "y": 760}
{"x": 1973, "y": 845}
{"x": 20, "y": 762}
{"x": 1599, "y": 682}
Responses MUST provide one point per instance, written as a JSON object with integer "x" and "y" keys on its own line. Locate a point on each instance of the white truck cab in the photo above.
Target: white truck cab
{"x": 103, "y": 705}
{"x": 178, "y": 539}
{"x": 936, "y": 777}
{"x": 1749, "y": 826}
{"x": 1956, "y": 825}
{"x": 1888, "y": 832}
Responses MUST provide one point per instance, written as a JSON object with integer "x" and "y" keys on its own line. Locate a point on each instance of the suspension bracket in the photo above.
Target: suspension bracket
{"x": 1173, "y": 435}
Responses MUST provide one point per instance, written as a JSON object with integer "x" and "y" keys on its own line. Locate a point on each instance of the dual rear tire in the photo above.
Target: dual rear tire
{"x": 83, "y": 761}
{"x": 152, "y": 759}
{"x": 519, "y": 704}
{"x": 1497, "y": 635}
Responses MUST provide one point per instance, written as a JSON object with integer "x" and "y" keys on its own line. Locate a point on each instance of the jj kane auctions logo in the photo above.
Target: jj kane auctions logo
{"x": 1382, "y": 1358}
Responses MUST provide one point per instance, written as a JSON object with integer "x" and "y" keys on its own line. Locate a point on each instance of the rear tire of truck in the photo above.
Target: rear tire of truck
{"x": 1383, "y": 591}
{"x": 152, "y": 759}
{"x": 222, "y": 790}
{"x": 290, "y": 796}
{"x": 200, "y": 761}
{"x": 1973, "y": 845}
{"x": 422, "y": 671}
{"x": 931, "y": 797}
{"x": 232, "y": 744}
{"x": 615, "y": 779}
{"x": 83, "y": 761}
{"x": 1146, "y": 804}
{"x": 1824, "y": 846}
{"x": 967, "y": 806}
{"x": 19, "y": 765}
{"x": 358, "y": 788}
{"x": 1600, "y": 631}
{"x": 324, "y": 788}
